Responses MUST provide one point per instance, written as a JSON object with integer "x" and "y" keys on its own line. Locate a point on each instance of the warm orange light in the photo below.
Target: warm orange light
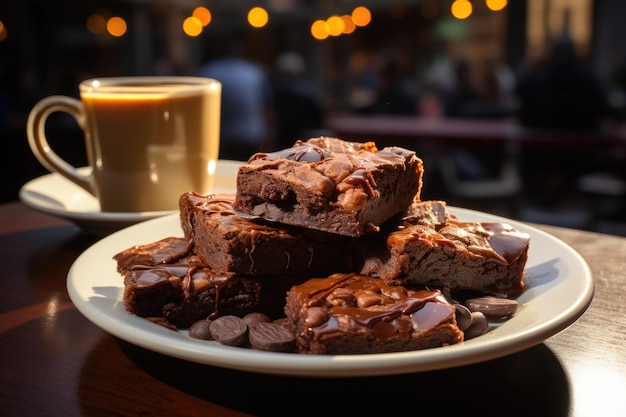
{"x": 335, "y": 25}
{"x": 320, "y": 29}
{"x": 348, "y": 24}
{"x": 96, "y": 23}
{"x": 192, "y": 26}
{"x": 361, "y": 16}
{"x": 258, "y": 17}
{"x": 116, "y": 26}
{"x": 3, "y": 31}
{"x": 496, "y": 5}
{"x": 203, "y": 15}
{"x": 461, "y": 9}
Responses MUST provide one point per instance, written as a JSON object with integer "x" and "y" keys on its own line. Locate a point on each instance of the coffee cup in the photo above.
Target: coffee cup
{"x": 148, "y": 139}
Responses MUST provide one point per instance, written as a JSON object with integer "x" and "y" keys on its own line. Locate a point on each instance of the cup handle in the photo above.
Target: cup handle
{"x": 35, "y": 130}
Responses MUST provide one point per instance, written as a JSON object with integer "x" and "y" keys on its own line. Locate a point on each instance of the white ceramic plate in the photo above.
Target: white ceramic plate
{"x": 559, "y": 288}
{"x": 56, "y": 195}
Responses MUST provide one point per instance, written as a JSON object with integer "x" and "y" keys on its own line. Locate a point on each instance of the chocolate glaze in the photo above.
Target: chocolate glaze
{"x": 320, "y": 149}
{"x": 255, "y": 228}
{"x": 364, "y": 178}
{"x": 503, "y": 241}
{"x": 166, "y": 250}
{"x": 344, "y": 299}
{"x": 146, "y": 268}
{"x": 499, "y": 241}
{"x": 300, "y": 152}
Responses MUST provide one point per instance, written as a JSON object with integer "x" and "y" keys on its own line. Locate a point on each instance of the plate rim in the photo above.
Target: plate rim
{"x": 162, "y": 340}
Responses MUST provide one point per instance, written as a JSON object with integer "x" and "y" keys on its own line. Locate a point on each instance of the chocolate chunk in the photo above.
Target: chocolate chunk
{"x": 493, "y": 307}
{"x": 479, "y": 326}
{"x": 255, "y": 318}
{"x": 201, "y": 330}
{"x": 229, "y": 330}
{"x": 463, "y": 316}
{"x": 271, "y": 337}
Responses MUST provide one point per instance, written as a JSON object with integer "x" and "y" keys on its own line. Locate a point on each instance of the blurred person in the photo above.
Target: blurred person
{"x": 297, "y": 109}
{"x": 464, "y": 98}
{"x": 561, "y": 92}
{"x": 497, "y": 86}
{"x": 483, "y": 92}
{"x": 246, "y": 101}
{"x": 461, "y": 93}
{"x": 396, "y": 93}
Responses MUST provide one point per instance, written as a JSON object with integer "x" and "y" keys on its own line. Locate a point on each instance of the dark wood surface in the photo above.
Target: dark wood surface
{"x": 54, "y": 362}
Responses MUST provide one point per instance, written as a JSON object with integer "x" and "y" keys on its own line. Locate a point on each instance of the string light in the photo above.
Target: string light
{"x": 3, "y": 31}
{"x": 335, "y": 25}
{"x": 96, "y": 23}
{"x": 361, "y": 16}
{"x": 496, "y": 5}
{"x": 116, "y": 26}
{"x": 203, "y": 15}
{"x": 258, "y": 17}
{"x": 348, "y": 24}
{"x": 192, "y": 26}
{"x": 320, "y": 30}
{"x": 461, "y": 9}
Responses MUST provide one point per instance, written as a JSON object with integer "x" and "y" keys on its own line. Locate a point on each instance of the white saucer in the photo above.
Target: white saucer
{"x": 55, "y": 195}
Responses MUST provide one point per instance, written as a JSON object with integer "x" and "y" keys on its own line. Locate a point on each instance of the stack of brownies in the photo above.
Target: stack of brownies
{"x": 330, "y": 237}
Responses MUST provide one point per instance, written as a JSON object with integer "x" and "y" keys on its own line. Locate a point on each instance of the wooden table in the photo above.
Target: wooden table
{"x": 54, "y": 362}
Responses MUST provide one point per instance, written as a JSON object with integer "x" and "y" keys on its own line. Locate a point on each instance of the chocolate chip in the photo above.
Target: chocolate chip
{"x": 271, "y": 337}
{"x": 479, "y": 326}
{"x": 201, "y": 330}
{"x": 463, "y": 316}
{"x": 229, "y": 330}
{"x": 254, "y": 318}
{"x": 493, "y": 307}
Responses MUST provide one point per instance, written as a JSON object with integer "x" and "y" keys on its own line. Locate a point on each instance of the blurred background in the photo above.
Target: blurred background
{"x": 516, "y": 107}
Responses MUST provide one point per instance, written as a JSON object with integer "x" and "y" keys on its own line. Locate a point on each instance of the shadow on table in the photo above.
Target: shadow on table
{"x": 528, "y": 383}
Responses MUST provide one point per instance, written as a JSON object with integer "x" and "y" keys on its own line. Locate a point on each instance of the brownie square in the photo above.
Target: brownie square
{"x": 327, "y": 184}
{"x": 240, "y": 244}
{"x": 174, "y": 288}
{"x": 448, "y": 254}
{"x": 356, "y": 314}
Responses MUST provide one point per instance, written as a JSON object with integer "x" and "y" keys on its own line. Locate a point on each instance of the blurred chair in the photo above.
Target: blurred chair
{"x": 466, "y": 180}
{"x": 606, "y": 195}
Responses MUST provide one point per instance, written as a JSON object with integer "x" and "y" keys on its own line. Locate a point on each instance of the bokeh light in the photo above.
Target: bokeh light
{"x": 348, "y": 24}
{"x": 320, "y": 29}
{"x": 258, "y": 17}
{"x": 192, "y": 26}
{"x": 496, "y": 5}
{"x": 96, "y": 23}
{"x": 3, "y": 31}
{"x": 335, "y": 25}
{"x": 461, "y": 9}
{"x": 116, "y": 26}
{"x": 203, "y": 15}
{"x": 361, "y": 16}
